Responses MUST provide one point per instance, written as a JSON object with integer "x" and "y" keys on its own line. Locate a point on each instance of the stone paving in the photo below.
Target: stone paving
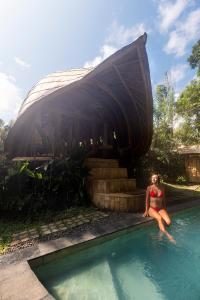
{"x": 58, "y": 226}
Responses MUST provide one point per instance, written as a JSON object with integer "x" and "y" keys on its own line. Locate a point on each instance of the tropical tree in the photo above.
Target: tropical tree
{"x": 163, "y": 117}
{"x": 194, "y": 58}
{"x": 4, "y": 128}
{"x": 162, "y": 156}
{"x": 1, "y": 134}
{"x": 188, "y": 104}
{"x": 188, "y": 108}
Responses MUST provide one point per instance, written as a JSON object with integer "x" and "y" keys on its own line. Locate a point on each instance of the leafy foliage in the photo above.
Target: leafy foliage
{"x": 30, "y": 187}
{"x": 3, "y": 133}
{"x": 188, "y": 104}
{"x": 181, "y": 180}
{"x": 188, "y": 107}
{"x": 162, "y": 158}
{"x": 170, "y": 166}
{"x": 194, "y": 58}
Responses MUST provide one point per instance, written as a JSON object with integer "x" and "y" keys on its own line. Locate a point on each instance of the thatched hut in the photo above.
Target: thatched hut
{"x": 102, "y": 107}
{"x": 192, "y": 162}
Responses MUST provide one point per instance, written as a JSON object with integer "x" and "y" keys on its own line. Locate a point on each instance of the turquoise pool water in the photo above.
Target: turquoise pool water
{"x": 140, "y": 264}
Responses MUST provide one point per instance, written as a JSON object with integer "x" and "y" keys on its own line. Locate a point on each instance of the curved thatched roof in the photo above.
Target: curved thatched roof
{"x": 86, "y": 103}
{"x": 51, "y": 83}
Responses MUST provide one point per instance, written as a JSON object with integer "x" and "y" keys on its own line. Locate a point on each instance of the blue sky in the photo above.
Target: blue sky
{"x": 39, "y": 37}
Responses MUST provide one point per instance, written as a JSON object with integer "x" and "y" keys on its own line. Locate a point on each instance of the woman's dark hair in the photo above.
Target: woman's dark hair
{"x": 159, "y": 178}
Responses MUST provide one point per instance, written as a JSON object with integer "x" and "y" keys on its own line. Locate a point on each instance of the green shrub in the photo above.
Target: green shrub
{"x": 169, "y": 165}
{"x": 181, "y": 180}
{"x": 29, "y": 188}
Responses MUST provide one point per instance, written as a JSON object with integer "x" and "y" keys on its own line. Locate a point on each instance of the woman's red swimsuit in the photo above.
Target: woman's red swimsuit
{"x": 154, "y": 194}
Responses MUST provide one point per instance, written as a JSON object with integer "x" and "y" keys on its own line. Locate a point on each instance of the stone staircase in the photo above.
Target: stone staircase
{"x": 111, "y": 189}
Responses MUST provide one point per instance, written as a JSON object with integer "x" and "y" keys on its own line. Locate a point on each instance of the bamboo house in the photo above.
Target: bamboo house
{"x": 102, "y": 107}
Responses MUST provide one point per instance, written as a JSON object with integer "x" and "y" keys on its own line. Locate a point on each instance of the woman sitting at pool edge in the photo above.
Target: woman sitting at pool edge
{"x": 156, "y": 206}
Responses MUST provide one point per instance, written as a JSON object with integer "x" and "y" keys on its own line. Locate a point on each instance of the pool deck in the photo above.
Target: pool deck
{"x": 18, "y": 281}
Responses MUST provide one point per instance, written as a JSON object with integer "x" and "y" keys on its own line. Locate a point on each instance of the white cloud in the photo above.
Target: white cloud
{"x": 10, "y": 98}
{"x": 186, "y": 32}
{"x": 12, "y": 78}
{"x": 170, "y": 11}
{"x": 178, "y": 72}
{"x": 118, "y": 36}
{"x": 105, "y": 51}
{"x": 21, "y": 62}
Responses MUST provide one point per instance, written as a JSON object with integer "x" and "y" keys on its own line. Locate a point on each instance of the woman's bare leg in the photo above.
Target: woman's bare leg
{"x": 165, "y": 216}
{"x": 154, "y": 214}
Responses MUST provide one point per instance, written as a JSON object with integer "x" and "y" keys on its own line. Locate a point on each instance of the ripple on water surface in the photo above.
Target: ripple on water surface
{"x": 141, "y": 264}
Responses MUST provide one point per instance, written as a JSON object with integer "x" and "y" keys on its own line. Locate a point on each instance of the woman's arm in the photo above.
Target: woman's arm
{"x": 146, "y": 203}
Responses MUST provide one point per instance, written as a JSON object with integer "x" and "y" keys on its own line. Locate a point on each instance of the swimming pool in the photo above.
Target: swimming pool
{"x": 140, "y": 264}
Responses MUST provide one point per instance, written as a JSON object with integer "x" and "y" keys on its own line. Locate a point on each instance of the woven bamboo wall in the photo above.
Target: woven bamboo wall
{"x": 192, "y": 164}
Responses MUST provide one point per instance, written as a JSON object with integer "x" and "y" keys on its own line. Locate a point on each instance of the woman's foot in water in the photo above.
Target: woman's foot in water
{"x": 170, "y": 237}
{"x": 160, "y": 235}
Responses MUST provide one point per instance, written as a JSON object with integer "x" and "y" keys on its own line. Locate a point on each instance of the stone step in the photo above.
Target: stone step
{"x": 87, "y": 284}
{"x": 121, "y": 202}
{"x": 108, "y": 173}
{"x": 112, "y": 185}
{"x": 101, "y": 163}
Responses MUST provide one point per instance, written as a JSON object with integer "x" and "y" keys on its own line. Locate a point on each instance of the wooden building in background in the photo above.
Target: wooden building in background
{"x": 192, "y": 162}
